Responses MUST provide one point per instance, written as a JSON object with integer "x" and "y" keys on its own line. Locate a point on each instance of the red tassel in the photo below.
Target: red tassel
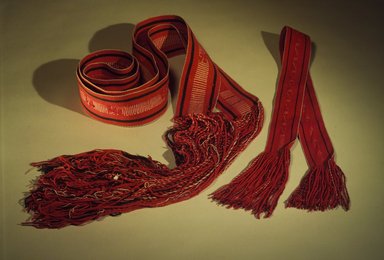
{"x": 79, "y": 188}
{"x": 259, "y": 186}
{"x": 322, "y": 188}
{"x": 75, "y": 189}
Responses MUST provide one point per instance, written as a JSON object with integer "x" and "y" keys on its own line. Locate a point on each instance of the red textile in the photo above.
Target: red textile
{"x": 123, "y": 89}
{"x": 296, "y": 115}
{"x": 119, "y": 88}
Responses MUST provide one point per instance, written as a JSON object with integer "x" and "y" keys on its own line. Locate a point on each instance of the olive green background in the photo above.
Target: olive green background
{"x": 41, "y": 43}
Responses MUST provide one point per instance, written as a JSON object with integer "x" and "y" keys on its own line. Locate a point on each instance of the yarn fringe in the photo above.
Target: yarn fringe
{"x": 76, "y": 189}
{"x": 259, "y": 186}
{"x": 322, "y": 188}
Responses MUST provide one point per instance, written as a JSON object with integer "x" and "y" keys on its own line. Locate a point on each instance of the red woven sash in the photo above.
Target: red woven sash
{"x": 119, "y": 88}
{"x": 296, "y": 115}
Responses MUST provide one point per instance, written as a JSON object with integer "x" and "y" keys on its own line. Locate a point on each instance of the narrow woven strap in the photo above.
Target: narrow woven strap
{"x": 119, "y": 88}
{"x": 296, "y": 115}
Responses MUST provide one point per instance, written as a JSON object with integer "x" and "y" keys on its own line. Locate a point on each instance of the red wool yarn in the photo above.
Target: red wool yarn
{"x": 123, "y": 89}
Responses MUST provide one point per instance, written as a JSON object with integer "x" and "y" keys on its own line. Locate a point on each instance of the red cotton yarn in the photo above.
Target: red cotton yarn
{"x": 123, "y": 89}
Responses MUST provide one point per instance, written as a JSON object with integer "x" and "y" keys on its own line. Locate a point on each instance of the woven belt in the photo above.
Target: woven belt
{"x": 119, "y": 88}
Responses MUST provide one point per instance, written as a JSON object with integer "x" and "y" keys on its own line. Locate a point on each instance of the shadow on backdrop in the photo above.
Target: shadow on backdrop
{"x": 55, "y": 82}
{"x": 117, "y": 36}
{"x": 272, "y": 40}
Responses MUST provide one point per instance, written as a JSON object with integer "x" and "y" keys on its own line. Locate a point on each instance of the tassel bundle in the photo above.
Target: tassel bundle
{"x": 322, "y": 188}
{"x": 259, "y": 186}
{"x": 75, "y": 189}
